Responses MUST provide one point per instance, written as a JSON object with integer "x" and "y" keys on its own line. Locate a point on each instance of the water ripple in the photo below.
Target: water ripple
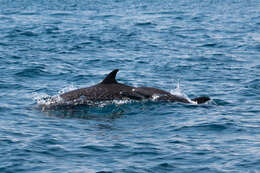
{"x": 207, "y": 47}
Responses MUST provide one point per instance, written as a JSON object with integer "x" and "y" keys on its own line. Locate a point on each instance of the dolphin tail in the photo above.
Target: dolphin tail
{"x": 201, "y": 100}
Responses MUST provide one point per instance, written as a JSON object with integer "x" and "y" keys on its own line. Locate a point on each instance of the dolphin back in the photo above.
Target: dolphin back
{"x": 110, "y": 89}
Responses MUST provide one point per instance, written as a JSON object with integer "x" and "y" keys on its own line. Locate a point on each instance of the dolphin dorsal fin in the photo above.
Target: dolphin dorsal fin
{"x": 111, "y": 77}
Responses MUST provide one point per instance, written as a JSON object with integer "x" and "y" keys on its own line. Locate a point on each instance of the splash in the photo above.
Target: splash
{"x": 45, "y": 99}
{"x": 155, "y": 97}
{"x": 67, "y": 89}
{"x": 46, "y": 102}
{"x": 40, "y": 97}
{"x": 178, "y": 92}
{"x": 121, "y": 102}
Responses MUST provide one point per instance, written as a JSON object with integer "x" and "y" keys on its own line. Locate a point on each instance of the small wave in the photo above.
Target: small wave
{"x": 144, "y": 24}
{"x": 209, "y": 45}
{"x": 213, "y": 126}
{"x": 4, "y": 108}
{"x": 18, "y": 32}
{"x": 61, "y": 13}
{"x": 254, "y": 84}
{"x": 94, "y": 148}
{"x": 220, "y": 102}
{"x": 29, "y": 13}
{"x": 255, "y": 36}
{"x": 3, "y": 17}
{"x": 52, "y": 29}
{"x": 3, "y": 44}
{"x": 164, "y": 166}
{"x": 32, "y": 72}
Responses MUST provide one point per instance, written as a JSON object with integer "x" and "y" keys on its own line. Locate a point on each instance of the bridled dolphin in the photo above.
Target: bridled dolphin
{"x": 109, "y": 89}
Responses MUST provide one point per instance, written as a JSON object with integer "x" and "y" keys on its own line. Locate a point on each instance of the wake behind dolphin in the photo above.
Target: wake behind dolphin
{"x": 109, "y": 90}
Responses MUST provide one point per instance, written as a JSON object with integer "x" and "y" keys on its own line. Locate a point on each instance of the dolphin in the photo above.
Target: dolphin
{"x": 109, "y": 89}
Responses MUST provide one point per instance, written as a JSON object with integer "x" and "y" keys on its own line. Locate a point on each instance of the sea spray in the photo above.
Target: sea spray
{"x": 178, "y": 92}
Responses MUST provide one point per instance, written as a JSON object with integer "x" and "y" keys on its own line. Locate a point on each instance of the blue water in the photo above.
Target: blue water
{"x": 209, "y": 47}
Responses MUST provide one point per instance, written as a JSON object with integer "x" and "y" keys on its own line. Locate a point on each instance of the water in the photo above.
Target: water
{"x": 210, "y": 47}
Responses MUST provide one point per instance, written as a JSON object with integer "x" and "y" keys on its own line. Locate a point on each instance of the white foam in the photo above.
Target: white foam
{"x": 102, "y": 104}
{"x": 155, "y": 97}
{"x": 120, "y": 102}
{"x": 40, "y": 97}
{"x": 178, "y": 92}
{"x": 255, "y": 36}
{"x": 67, "y": 89}
{"x": 44, "y": 100}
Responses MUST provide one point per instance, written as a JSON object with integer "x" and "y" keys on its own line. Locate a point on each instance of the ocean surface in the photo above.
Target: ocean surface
{"x": 193, "y": 47}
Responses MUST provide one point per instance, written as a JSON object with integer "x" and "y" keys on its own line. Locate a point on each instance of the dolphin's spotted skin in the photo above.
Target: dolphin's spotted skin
{"x": 110, "y": 89}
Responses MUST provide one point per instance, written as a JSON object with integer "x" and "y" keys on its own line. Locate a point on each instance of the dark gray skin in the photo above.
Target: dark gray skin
{"x": 110, "y": 89}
